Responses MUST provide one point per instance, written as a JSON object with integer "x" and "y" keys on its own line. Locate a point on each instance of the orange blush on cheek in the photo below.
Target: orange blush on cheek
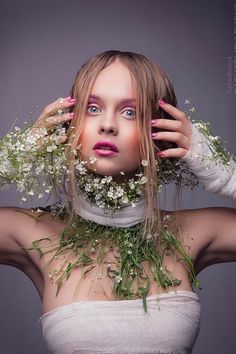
{"x": 134, "y": 144}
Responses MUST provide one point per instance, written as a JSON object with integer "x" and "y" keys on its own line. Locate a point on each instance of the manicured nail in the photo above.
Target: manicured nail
{"x": 153, "y": 121}
{"x": 71, "y": 114}
{"x": 154, "y": 135}
{"x": 72, "y": 100}
{"x": 160, "y": 154}
{"x": 68, "y": 98}
{"x": 161, "y": 102}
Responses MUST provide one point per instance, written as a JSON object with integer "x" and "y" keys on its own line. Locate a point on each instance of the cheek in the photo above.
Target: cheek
{"x": 134, "y": 144}
{"x": 133, "y": 140}
{"x": 85, "y": 137}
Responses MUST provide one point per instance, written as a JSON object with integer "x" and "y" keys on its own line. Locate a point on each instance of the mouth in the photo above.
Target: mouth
{"x": 105, "y": 148}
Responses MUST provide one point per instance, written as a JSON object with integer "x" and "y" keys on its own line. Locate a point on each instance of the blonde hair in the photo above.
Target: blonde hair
{"x": 151, "y": 83}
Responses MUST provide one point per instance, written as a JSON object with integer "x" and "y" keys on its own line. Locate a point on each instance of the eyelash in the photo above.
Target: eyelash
{"x": 131, "y": 110}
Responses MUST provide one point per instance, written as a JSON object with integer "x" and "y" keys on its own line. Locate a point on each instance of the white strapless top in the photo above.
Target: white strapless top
{"x": 171, "y": 325}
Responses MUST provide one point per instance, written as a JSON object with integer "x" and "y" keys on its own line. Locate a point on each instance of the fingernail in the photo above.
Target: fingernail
{"x": 71, "y": 114}
{"x": 161, "y": 102}
{"x": 153, "y": 135}
{"x": 153, "y": 121}
{"x": 72, "y": 100}
{"x": 160, "y": 154}
{"x": 68, "y": 98}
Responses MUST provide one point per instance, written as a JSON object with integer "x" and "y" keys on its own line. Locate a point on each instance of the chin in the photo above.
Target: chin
{"x": 116, "y": 175}
{"x": 109, "y": 171}
{"x": 112, "y": 167}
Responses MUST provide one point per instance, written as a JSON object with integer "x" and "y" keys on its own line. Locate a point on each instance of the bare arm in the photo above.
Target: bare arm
{"x": 211, "y": 235}
{"x": 18, "y": 229}
{"x": 223, "y": 245}
{"x": 11, "y": 252}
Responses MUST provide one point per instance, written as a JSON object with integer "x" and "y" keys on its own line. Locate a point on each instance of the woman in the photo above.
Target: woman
{"x": 135, "y": 264}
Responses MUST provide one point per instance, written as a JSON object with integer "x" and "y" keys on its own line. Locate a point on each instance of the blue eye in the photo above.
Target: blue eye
{"x": 132, "y": 113}
{"x": 93, "y": 109}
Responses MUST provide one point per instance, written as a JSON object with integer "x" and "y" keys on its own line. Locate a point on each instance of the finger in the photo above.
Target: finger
{"x": 58, "y": 118}
{"x": 175, "y": 137}
{"x": 173, "y": 111}
{"x": 177, "y": 153}
{"x": 168, "y": 124}
{"x": 62, "y": 103}
{"x": 50, "y": 121}
{"x": 61, "y": 139}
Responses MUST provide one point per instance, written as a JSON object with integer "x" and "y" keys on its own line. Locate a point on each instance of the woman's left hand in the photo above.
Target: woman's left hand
{"x": 179, "y": 131}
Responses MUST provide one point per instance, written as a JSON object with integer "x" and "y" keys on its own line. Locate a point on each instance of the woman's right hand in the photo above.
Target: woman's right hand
{"x": 53, "y": 114}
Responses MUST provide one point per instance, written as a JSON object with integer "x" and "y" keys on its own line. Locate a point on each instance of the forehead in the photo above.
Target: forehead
{"x": 114, "y": 80}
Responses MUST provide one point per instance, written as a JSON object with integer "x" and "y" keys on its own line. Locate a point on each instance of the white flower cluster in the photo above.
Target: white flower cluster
{"x": 105, "y": 192}
{"x": 219, "y": 153}
{"x": 28, "y": 159}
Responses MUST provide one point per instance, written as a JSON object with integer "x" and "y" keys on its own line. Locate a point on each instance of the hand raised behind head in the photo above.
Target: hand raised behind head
{"x": 177, "y": 131}
{"x": 54, "y": 114}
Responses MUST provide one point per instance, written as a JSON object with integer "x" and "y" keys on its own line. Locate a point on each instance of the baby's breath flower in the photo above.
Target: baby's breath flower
{"x": 92, "y": 159}
{"x": 125, "y": 200}
{"x": 143, "y": 180}
{"x": 187, "y": 101}
{"x": 118, "y": 278}
{"x": 144, "y": 162}
{"x": 51, "y": 148}
{"x": 97, "y": 196}
{"x": 132, "y": 184}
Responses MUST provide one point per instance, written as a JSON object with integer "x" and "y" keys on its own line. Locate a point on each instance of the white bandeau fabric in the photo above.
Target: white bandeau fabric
{"x": 170, "y": 326}
{"x": 215, "y": 177}
{"x": 127, "y": 216}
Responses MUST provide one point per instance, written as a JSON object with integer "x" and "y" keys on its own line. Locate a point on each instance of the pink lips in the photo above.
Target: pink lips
{"x": 105, "y": 148}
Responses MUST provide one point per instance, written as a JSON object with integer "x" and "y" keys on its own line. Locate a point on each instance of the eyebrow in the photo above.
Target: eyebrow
{"x": 125, "y": 100}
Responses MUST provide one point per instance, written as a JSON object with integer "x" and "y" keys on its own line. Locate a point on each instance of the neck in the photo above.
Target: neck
{"x": 107, "y": 201}
{"x": 125, "y": 216}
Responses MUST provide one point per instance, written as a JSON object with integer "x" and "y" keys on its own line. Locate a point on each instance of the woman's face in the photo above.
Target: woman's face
{"x": 110, "y": 127}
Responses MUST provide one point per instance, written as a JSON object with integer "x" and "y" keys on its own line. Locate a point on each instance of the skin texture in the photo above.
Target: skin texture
{"x": 111, "y": 119}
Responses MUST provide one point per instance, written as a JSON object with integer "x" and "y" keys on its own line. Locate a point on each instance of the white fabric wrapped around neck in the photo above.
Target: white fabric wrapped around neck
{"x": 127, "y": 216}
{"x": 215, "y": 177}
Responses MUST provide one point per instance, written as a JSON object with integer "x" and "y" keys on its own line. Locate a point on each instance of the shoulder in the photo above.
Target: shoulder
{"x": 209, "y": 234}
{"x": 18, "y": 229}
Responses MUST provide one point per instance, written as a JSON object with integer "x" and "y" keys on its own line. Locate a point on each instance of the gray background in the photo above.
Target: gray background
{"x": 43, "y": 44}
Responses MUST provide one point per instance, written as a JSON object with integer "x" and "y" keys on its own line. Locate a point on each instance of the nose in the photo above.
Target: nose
{"x": 108, "y": 127}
